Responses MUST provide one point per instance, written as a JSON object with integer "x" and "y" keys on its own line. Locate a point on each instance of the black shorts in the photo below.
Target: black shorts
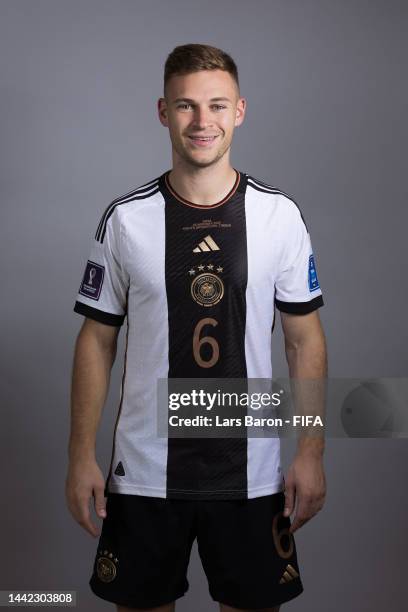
{"x": 144, "y": 549}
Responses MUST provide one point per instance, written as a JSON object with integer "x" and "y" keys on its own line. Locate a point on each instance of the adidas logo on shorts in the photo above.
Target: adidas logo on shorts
{"x": 289, "y": 574}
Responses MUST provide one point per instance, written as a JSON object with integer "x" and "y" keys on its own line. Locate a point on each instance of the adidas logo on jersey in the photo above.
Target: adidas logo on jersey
{"x": 119, "y": 469}
{"x": 289, "y": 574}
{"x": 208, "y": 244}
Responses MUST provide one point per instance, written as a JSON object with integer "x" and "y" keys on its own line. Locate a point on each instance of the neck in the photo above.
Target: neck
{"x": 202, "y": 185}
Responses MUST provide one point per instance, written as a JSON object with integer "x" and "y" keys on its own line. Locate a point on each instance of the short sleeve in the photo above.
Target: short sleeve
{"x": 297, "y": 288}
{"x": 102, "y": 294}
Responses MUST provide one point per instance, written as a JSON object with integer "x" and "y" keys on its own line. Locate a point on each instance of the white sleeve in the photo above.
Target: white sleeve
{"x": 102, "y": 294}
{"x": 297, "y": 288}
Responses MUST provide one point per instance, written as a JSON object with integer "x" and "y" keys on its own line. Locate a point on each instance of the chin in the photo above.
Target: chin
{"x": 203, "y": 161}
{"x": 203, "y": 164}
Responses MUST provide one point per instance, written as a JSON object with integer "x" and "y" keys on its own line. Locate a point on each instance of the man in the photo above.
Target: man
{"x": 197, "y": 259}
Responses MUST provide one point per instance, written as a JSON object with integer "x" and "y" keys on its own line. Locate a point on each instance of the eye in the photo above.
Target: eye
{"x": 184, "y": 106}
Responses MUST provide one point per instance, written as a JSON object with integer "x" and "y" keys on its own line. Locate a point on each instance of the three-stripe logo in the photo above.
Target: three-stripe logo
{"x": 208, "y": 244}
{"x": 289, "y": 574}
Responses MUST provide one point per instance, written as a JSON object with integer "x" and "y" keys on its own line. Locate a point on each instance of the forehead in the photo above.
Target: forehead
{"x": 202, "y": 85}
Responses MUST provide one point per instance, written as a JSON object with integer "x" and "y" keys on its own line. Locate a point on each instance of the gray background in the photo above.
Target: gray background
{"x": 326, "y": 122}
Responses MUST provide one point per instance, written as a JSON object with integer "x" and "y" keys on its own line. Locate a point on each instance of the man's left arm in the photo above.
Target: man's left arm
{"x": 306, "y": 354}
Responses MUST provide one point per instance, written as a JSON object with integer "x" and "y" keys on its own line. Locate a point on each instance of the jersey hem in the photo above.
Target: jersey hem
{"x": 269, "y": 489}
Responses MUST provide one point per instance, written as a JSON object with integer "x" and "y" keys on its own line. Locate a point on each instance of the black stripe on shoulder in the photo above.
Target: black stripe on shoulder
{"x": 265, "y": 188}
{"x": 142, "y": 188}
{"x": 99, "y": 315}
{"x": 121, "y": 199}
{"x": 135, "y": 190}
{"x": 136, "y": 194}
{"x": 268, "y": 186}
{"x": 112, "y": 209}
{"x": 300, "y": 307}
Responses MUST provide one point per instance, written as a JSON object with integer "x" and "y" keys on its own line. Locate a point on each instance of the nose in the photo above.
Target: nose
{"x": 202, "y": 117}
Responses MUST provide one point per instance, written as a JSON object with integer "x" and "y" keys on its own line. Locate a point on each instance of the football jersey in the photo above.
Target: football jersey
{"x": 180, "y": 272}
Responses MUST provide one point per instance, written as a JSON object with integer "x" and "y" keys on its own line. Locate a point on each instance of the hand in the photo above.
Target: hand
{"x": 85, "y": 479}
{"x": 305, "y": 482}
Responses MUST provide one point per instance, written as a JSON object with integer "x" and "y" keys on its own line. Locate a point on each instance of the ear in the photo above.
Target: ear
{"x": 162, "y": 111}
{"x": 240, "y": 112}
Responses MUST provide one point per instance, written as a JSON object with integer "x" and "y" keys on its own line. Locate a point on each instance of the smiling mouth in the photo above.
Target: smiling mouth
{"x": 203, "y": 140}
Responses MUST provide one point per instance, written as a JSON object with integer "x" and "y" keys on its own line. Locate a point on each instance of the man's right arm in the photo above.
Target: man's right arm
{"x": 94, "y": 355}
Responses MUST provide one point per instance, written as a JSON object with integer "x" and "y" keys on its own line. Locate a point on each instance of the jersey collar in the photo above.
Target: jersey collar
{"x": 169, "y": 192}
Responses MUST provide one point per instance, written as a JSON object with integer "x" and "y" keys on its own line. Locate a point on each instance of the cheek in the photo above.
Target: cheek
{"x": 176, "y": 127}
{"x": 227, "y": 124}
{"x": 176, "y": 134}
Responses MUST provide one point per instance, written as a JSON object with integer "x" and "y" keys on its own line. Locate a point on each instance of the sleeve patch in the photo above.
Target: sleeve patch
{"x": 92, "y": 281}
{"x": 313, "y": 280}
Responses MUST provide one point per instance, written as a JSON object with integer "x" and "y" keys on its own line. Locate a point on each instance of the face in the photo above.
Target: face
{"x": 201, "y": 110}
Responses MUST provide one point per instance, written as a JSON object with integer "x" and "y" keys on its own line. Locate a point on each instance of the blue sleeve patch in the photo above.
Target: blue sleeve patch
{"x": 313, "y": 281}
{"x": 92, "y": 281}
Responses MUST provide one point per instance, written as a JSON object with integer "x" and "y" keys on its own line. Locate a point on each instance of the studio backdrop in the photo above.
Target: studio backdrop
{"x": 326, "y": 121}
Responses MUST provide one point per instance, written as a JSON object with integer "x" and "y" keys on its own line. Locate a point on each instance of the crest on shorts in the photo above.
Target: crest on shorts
{"x": 106, "y": 566}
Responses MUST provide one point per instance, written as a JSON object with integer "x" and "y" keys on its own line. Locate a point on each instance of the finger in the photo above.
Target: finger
{"x": 303, "y": 514}
{"x": 289, "y": 500}
{"x": 88, "y": 525}
{"x": 84, "y": 518}
{"x": 100, "y": 502}
{"x": 297, "y": 523}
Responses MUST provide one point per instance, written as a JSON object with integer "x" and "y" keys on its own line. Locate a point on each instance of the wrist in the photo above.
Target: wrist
{"x": 311, "y": 446}
{"x": 81, "y": 452}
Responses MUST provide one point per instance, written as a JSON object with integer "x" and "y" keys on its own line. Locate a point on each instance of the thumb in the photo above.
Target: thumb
{"x": 100, "y": 503}
{"x": 289, "y": 500}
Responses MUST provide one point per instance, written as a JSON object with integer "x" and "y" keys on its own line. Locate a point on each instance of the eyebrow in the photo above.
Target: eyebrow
{"x": 218, "y": 99}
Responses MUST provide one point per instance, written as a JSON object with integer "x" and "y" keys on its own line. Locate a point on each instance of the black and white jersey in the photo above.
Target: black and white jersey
{"x": 178, "y": 271}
